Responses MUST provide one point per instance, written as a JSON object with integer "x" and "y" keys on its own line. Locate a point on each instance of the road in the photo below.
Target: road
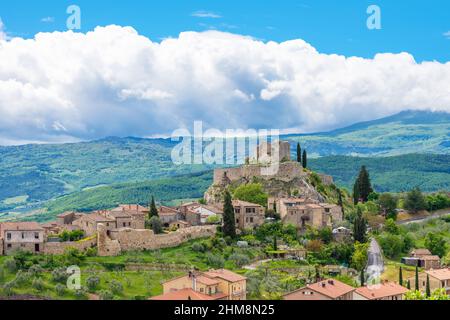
{"x": 422, "y": 219}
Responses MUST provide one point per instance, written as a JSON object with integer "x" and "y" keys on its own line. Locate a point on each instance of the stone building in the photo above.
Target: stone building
{"x": 303, "y": 212}
{"x": 248, "y": 215}
{"x": 167, "y": 215}
{"x": 211, "y": 285}
{"x": 278, "y": 151}
{"x": 26, "y": 236}
{"x": 439, "y": 279}
{"x": 89, "y": 222}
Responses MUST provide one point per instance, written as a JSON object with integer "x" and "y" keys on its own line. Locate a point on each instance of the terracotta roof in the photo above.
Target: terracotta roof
{"x": 425, "y": 252}
{"x": 97, "y": 217}
{"x": 224, "y": 274}
{"x": 20, "y": 226}
{"x": 313, "y": 206}
{"x": 381, "y": 290}
{"x": 430, "y": 258}
{"x": 119, "y": 214}
{"x": 65, "y": 214}
{"x": 331, "y": 288}
{"x": 207, "y": 281}
{"x": 184, "y": 294}
{"x": 167, "y": 211}
{"x": 244, "y": 203}
{"x": 440, "y": 274}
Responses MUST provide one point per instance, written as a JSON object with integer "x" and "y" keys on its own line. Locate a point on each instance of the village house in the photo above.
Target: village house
{"x": 248, "y": 215}
{"x": 330, "y": 289}
{"x": 211, "y": 285}
{"x": 190, "y": 214}
{"x": 439, "y": 279}
{"x": 423, "y": 259}
{"x": 136, "y": 215}
{"x": 303, "y": 212}
{"x": 167, "y": 215}
{"x": 381, "y": 291}
{"x": 89, "y": 222}
{"x": 27, "y": 236}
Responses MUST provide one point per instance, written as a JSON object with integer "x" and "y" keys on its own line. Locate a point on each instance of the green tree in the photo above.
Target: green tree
{"x": 252, "y": 192}
{"x": 156, "y": 225}
{"x": 153, "y": 210}
{"x": 362, "y": 278}
{"x": 388, "y": 204}
{"x": 305, "y": 159}
{"x": 427, "y": 290}
{"x": 400, "y": 276}
{"x": 299, "y": 153}
{"x": 436, "y": 244}
{"x": 229, "y": 222}
{"x": 408, "y": 285}
{"x": 275, "y": 245}
{"x": 340, "y": 201}
{"x": 359, "y": 227}
{"x": 415, "y": 201}
{"x": 355, "y": 194}
{"x": 363, "y": 187}
{"x": 360, "y": 256}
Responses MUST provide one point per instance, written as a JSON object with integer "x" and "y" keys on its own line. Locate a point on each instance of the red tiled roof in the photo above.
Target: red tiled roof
{"x": 20, "y": 226}
{"x": 440, "y": 274}
{"x": 331, "y": 288}
{"x": 167, "y": 211}
{"x": 245, "y": 203}
{"x": 224, "y": 274}
{"x": 381, "y": 290}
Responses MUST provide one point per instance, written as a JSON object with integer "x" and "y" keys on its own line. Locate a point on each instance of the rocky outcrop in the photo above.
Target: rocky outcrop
{"x": 290, "y": 179}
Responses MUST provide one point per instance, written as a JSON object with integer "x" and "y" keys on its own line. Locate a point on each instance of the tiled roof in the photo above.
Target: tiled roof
{"x": 419, "y": 252}
{"x": 440, "y": 274}
{"x": 244, "y": 203}
{"x": 381, "y": 290}
{"x": 20, "y": 226}
{"x": 207, "y": 281}
{"x": 167, "y": 211}
{"x": 224, "y": 274}
{"x": 97, "y": 217}
{"x": 331, "y": 288}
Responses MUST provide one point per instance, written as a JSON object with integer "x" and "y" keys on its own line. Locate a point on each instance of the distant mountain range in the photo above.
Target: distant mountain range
{"x": 403, "y": 133}
{"x": 33, "y": 174}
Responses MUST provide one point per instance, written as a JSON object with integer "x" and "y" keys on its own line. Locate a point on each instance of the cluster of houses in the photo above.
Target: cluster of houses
{"x": 227, "y": 285}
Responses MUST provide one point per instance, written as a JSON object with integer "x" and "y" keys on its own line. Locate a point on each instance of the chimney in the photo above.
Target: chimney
{"x": 194, "y": 282}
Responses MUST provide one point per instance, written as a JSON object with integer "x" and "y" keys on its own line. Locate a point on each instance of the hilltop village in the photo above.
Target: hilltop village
{"x": 294, "y": 203}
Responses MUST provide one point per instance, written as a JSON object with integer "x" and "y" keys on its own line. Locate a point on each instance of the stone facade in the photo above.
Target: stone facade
{"x": 27, "y": 236}
{"x": 126, "y": 239}
{"x": 248, "y": 215}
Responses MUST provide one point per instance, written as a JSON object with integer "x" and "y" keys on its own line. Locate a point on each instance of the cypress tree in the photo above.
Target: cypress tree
{"x": 275, "y": 246}
{"x": 340, "y": 202}
{"x": 229, "y": 222}
{"x": 400, "y": 276}
{"x": 362, "y": 278}
{"x": 362, "y": 187}
{"x": 408, "y": 285}
{"x": 304, "y": 159}
{"x": 359, "y": 227}
{"x": 153, "y": 210}
{"x": 299, "y": 153}
{"x": 427, "y": 290}
{"x": 417, "y": 279}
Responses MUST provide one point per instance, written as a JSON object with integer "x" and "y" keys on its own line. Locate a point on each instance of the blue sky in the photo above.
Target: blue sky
{"x": 414, "y": 26}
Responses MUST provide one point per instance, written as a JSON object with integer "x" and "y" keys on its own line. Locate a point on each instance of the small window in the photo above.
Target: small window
{"x": 9, "y": 245}
{"x": 124, "y": 224}
{"x": 36, "y": 235}
{"x": 23, "y": 235}
{"x": 251, "y": 219}
{"x": 8, "y": 236}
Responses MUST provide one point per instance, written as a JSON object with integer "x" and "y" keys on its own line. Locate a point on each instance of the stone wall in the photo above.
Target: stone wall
{"x": 60, "y": 247}
{"x": 1, "y": 247}
{"x": 126, "y": 239}
{"x": 286, "y": 171}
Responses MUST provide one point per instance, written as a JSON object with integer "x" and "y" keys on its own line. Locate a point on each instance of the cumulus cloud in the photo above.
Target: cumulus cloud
{"x": 66, "y": 86}
{"x": 447, "y": 34}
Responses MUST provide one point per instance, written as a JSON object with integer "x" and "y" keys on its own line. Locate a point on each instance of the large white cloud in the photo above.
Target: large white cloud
{"x": 64, "y": 86}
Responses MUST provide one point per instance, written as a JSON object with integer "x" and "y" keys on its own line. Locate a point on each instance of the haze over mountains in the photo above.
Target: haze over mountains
{"x": 33, "y": 174}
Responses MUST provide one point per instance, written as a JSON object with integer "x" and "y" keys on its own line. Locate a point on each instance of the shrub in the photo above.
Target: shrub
{"x": 91, "y": 252}
{"x": 106, "y": 295}
{"x": 8, "y": 288}
{"x": 60, "y": 289}
{"x": 116, "y": 287}
{"x": 215, "y": 261}
{"x": 22, "y": 278}
{"x": 60, "y": 275}
{"x": 2, "y": 274}
{"x": 81, "y": 294}
{"x": 37, "y": 284}
{"x": 73, "y": 256}
{"x": 198, "y": 247}
{"x": 240, "y": 259}
{"x": 35, "y": 270}
{"x": 11, "y": 265}
{"x": 92, "y": 283}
